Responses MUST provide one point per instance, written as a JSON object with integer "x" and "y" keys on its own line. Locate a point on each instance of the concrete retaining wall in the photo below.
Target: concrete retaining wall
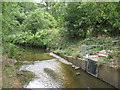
{"x": 76, "y": 61}
{"x": 109, "y": 75}
{"x": 105, "y": 73}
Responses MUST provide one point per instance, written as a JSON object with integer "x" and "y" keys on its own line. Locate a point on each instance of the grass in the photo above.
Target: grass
{"x": 77, "y": 45}
{"x": 13, "y": 78}
{"x": 75, "y": 48}
{"x": 25, "y": 76}
{"x": 9, "y": 75}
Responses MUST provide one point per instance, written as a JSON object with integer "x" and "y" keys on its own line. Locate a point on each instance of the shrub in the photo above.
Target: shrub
{"x": 38, "y": 20}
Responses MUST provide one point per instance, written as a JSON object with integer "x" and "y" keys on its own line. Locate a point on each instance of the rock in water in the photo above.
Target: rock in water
{"x": 77, "y": 73}
{"x": 73, "y": 66}
{"x": 76, "y": 68}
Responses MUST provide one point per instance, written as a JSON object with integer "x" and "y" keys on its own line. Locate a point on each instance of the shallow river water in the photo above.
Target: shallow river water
{"x": 51, "y": 71}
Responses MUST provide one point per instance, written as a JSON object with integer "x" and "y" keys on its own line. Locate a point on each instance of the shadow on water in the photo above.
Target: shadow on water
{"x": 51, "y": 73}
{"x": 27, "y": 55}
{"x": 34, "y": 57}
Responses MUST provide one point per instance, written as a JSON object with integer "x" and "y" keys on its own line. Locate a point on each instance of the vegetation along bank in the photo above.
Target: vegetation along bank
{"x": 74, "y": 29}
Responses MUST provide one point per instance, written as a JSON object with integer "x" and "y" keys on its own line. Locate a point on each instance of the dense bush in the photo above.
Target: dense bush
{"x": 50, "y": 22}
{"x": 39, "y": 19}
{"x": 9, "y": 50}
{"x": 34, "y": 21}
{"x": 95, "y": 18}
{"x": 41, "y": 38}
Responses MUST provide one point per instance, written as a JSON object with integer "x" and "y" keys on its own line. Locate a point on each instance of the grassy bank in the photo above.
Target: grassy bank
{"x": 13, "y": 78}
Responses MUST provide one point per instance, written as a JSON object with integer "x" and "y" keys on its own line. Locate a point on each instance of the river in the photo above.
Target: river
{"x": 53, "y": 72}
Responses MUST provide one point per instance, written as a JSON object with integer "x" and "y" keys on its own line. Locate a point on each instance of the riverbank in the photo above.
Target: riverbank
{"x": 27, "y": 65}
{"x": 54, "y": 41}
{"x": 12, "y": 78}
{"x": 77, "y": 48}
{"x": 102, "y": 72}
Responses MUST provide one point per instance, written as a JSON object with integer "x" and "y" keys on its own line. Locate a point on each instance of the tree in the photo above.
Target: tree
{"x": 39, "y": 19}
{"x": 77, "y": 19}
{"x": 98, "y": 17}
{"x": 9, "y": 22}
{"x": 34, "y": 21}
{"x": 57, "y": 10}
